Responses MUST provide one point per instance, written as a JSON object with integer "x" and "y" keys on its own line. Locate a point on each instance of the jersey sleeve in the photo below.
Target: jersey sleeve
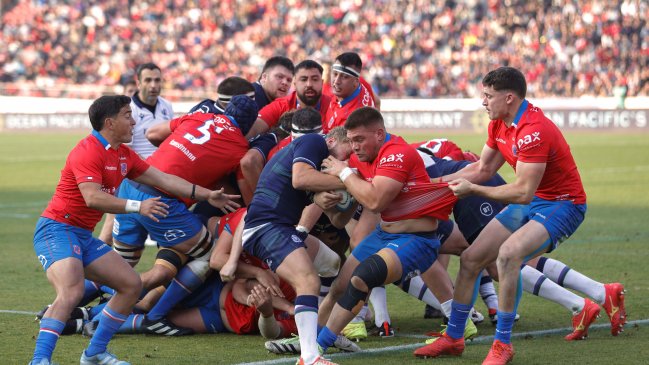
{"x": 311, "y": 149}
{"x": 138, "y": 165}
{"x": 491, "y": 136}
{"x": 86, "y": 166}
{"x": 533, "y": 142}
{"x": 264, "y": 143}
{"x": 271, "y": 113}
{"x": 174, "y": 123}
{"x": 396, "y": 162}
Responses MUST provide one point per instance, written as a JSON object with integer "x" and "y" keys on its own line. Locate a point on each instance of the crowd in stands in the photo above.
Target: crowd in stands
{"x": 415, "y": 48}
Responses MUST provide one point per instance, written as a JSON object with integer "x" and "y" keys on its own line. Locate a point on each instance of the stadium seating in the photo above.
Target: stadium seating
{"x": 418, "y": 48}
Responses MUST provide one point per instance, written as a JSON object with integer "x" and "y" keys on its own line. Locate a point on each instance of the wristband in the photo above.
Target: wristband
{"x": 301, "y": 228}
{"x": 132, "y": 206}
{"x": 193, "y": 196}
{"x": 345, "y": 173}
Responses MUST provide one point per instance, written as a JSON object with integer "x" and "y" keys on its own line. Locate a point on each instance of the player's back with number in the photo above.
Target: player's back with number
{"x": 202, "y": 148}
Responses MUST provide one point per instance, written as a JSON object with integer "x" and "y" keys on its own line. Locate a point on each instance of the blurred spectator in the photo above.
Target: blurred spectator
{"x": 415, "y": 48}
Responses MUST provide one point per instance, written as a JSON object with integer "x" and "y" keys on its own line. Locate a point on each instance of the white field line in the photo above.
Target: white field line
{"x": 479, "y": 339}
{"x": 387, "y": 349}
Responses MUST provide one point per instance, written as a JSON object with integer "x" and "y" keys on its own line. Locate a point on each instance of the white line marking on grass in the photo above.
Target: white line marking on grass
{"x": 480, "y": 339}
{"x": 9, "y": 311}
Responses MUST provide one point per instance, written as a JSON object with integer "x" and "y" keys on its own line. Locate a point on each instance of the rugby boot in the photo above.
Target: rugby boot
{"x": 289, "y": 345}
{"x": 476, "y": 317}
{"x": 355, "y": 331}
{"x": 441, "y": 346}
{"x": 384, "y": 331}
{"x": 614, "y": 307}
{"x": 500, "y": 354}
{"x": 164, "y": 327}
{"x": 104, "y": 358}
{"x": 582, "y": 320}
{"x": 431, "y": 312}
{"x": 342, "y": 343}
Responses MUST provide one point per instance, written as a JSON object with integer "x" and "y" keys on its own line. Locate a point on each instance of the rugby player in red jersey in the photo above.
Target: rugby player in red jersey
{"x": 63, "y": 238}
{"x": 547, "y": 203}
{"x": 349, "y": 93}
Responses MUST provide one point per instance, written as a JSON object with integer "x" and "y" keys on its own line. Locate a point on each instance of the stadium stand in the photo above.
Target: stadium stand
{"x": 419, "y": 48}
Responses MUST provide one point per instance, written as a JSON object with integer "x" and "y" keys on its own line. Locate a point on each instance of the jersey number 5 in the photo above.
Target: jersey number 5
{"x": 205, "y": 133}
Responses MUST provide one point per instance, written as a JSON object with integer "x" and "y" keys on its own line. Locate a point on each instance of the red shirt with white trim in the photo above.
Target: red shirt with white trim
{"x": 533, "y": 138}
{"x": 202, "y": 149}
{"x": 273, "y": 111}
{"x": 91, "y": 160}
{"x": 340, "y": 110}
{"x": 418, "y": 197}
{"x": 442, "y": 148}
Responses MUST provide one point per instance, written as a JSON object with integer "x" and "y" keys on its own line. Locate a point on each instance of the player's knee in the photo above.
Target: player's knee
{"x": 471, "y": 262}
{"x": 355, "y": 296}
{"x": 308, "y": 283}
{"x": 130, "y": 254}
{"x": 130, "y": 287}
{"x": 68, "y": 297}
{"x": 170, "y": 259}
{"x": 326, "y": 262}
{"x": 373, "y": 272}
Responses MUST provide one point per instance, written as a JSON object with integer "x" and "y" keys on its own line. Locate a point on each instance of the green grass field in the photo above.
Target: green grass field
{"x": 611, "y": 245}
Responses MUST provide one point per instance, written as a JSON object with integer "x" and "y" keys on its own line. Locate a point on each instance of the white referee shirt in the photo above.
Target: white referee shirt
{"x": 144, "y": 120}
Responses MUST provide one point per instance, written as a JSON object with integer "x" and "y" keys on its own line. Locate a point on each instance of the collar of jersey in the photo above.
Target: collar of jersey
{"x": 346, "y": 100}
{"x": 101, "y": 139}
{"x": 136, "y": 99}
{"x": 519, "y": 113}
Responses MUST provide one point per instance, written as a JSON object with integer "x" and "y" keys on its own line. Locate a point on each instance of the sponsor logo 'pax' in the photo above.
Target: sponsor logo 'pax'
{"x": 398, "y": 157}
{"x": 535, "y": 136}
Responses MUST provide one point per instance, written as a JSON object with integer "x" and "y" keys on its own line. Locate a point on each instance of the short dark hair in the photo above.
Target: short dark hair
{"x": 278, "y": 61}
{"x": 363, "y": 117}
{"x": 307, "y": 65}
{"x": 350, "y": 59}
{"x": 506, "y": 78}
{"x": 235, "y": 85}
{"x": 146, "y": 66}
{"x": 106, "y": 106}
{"x": 307, "y": 118}
{"x": 283, "y": 128}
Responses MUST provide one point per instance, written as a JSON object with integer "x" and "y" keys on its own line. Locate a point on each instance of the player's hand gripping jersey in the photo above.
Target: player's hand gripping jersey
{"x": 418, "y": 197}
{"x": 202, "y": 149}
{"x": 533, "y": 138}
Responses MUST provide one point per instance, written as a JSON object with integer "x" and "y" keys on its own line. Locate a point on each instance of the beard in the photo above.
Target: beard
{"x": 310, "y": 100}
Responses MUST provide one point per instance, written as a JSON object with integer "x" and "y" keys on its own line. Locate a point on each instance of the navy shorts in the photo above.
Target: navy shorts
{"x": 560, "y": 218}
{"x": 55, "y": 241}
{"x": 271, "y": 243}
{"x": 416, "y": 252}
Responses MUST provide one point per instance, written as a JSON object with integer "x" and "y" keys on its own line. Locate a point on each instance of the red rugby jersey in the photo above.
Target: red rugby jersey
{"x": 273, "y": 111}
{"x": 202, "y": 149}
{"x": 534, "y": 138}
{"x": 91, "y": 160}
{"x": 418, "y": 197}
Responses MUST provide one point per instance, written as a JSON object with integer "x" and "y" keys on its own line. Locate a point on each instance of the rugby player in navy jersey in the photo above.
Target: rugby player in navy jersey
{"x": 226, "y": 90}
{"x": 274, "y": 81}
{"x": 269, "y": 230}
